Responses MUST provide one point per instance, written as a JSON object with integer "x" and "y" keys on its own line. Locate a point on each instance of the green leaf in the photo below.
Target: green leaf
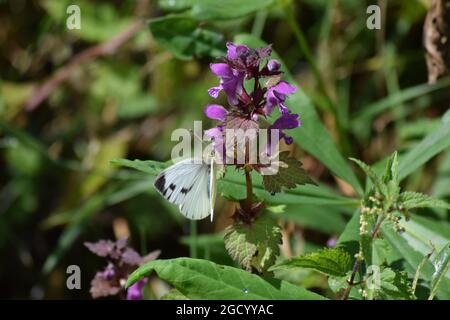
{"x": 332, "y": 261}
{"x": 349, "y": 239}
{"x": 185, "y": 39}
{"x": 431, "y": 145}
{"x": 290, "y": 173}
{"x": 226, "y": 9}
{"x": 138, "y": 106}
{"x": 254, "y": 245}
{"x": 391, "y": 171}
{"x": 441, "y": 264}
{"x": 365, "y": 243}
{"x": 312, "y": 135}
{"x": 146, "y": 166}
{"x": 202, "y": 279}
{"x": 175, "y": 5}
{"x": 174, "y": 294}
{"x": 392, "y": 285}
{"x": 410, "y": 200}
{"x": 362, "y": 118}
{"x": 370, "y": 173}
{"x": 327, "y": 219}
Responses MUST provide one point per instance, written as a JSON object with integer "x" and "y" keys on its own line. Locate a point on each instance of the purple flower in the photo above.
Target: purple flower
{"x": 135, "y": 291}
{"x": 273, "y": 65}
{"x": 286, "y": 121}
{"x": 216, "y": 112}
{"x": 236, "y": 51}
{"x": 122, "y": 260}
{"x": 331, "y": 243}
{"x": 276, "y": 95}
{"x": 217, "y": 135}
{"x": 231, "y": 81}
{"x": 240, "y": 64}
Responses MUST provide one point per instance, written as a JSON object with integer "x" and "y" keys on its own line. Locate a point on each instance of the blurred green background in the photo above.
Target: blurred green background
{"x": 57, "y": 187}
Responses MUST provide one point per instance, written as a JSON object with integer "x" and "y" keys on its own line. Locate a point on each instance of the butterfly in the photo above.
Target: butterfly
{"x": 190, "y": 184}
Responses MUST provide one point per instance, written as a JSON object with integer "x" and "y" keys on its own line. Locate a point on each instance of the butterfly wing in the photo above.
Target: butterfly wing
{"x": 187, "y": 184}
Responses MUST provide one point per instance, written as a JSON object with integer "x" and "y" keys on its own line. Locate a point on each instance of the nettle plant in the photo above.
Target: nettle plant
{"x": 371, "y": 259}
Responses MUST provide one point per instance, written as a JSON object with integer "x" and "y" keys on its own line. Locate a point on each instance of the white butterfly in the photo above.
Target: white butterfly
{"x": 191, "y": 185}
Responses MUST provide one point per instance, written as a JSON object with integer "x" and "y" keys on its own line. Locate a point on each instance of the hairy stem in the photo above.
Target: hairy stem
{"x": 358, "y": 261}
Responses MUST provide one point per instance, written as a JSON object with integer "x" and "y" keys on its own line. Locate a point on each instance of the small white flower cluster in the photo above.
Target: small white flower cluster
{"x": 363, "y": 293}
{"x": 395, "y": 219}
{"x": 373, "y": 207}
{"x": 368, "y": 209}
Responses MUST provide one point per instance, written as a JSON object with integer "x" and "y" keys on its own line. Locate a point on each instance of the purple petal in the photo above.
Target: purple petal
{"x": 216, "y": 112}
{"x": 288, "y": 140}
{"x": 268, "y": 108}
{"x": 135, "y": 291}
{"x": 214, "y": 91}
{"x": 283, "y": 109}
{"x": 273, "y": 65}
{"x": 284, "y": 88}
{"x": 286, "y": 121}
{"x": 221, "y": 69}
{"x": 234, "y": 51}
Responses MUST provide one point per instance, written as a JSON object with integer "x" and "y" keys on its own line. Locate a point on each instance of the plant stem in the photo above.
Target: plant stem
{"x": 419, "y": 268}
{"x": 193, "y": 242}
{"x": 259, "y": 22}
{"x": 248, "y": 181}
{"x": 357, "y": 264}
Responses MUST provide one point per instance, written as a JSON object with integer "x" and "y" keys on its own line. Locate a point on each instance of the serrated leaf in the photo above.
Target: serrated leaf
{"x": 290, "y": 174}
{"x": 389, "y": 285}
{"x": 391, "y": 171}
{"x": 254, "y": 245}
{"x": 333, "y": 261}
{"x": 441, "y": 265}
{"x": 368, "y": 171}
{"x": 411, "y": 200}
{"x": 202, "y": 279}
{"x": 390, "y": 181}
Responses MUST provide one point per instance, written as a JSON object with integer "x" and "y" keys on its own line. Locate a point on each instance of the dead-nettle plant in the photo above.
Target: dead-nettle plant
{"x": 122, "y": 260}
{"x": 254, "y": 89}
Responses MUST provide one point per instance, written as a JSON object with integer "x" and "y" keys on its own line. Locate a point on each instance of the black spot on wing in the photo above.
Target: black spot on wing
{"x": 160, "y": 182}
{"x": 172, "y": 186}
{"x": 186, "y": 190}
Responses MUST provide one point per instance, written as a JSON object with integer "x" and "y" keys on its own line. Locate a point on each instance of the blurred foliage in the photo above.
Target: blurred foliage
{"x": 58, "y": 189}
